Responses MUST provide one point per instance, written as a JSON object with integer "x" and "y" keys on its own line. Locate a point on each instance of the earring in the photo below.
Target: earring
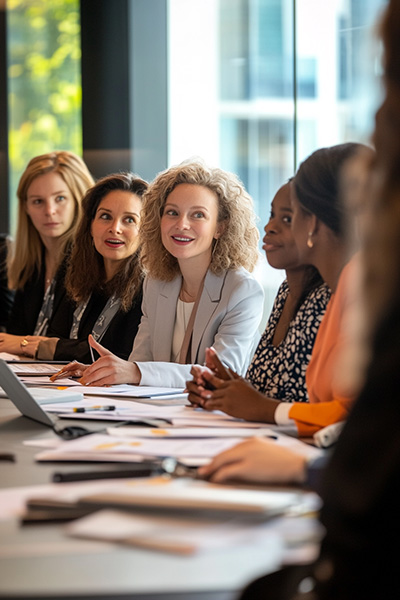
{"x": 310, "y": 243}
{"x": 215, "y": 246}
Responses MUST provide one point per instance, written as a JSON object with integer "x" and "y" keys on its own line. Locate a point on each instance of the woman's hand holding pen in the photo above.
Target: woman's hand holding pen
{"x": 73, "y": 369}
{"x": 109, "y": 369}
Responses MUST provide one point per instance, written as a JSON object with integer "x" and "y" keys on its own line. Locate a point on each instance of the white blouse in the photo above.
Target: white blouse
{"x": 183, "y": 312}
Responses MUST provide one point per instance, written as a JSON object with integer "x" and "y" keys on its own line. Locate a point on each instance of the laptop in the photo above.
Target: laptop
{"x": 24, "y": 398}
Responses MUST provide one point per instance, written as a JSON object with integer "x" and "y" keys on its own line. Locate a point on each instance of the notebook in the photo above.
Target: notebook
{"x": 29, "y": 400}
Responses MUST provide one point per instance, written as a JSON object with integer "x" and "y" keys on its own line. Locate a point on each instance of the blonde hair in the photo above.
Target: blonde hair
{"x": 26, "y": 257}
{"x": 236, "y": 247}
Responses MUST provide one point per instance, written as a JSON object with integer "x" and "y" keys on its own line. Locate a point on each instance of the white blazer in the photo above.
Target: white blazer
{"x": 228, "y": 316}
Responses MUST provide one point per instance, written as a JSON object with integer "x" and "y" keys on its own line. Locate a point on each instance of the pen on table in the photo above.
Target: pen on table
{"x": 37, "y": 362}
{"x": 59, "y": 375}
{"x": 136, "y": 471}
{"x": 62, "y": 373}
{"x": 7, "y": 456}
{"x": 84, "y": 409}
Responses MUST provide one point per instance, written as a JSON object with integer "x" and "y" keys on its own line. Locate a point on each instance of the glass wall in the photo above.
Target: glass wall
{"x": 44, "y": 82}
{"x": 257, "y": 85}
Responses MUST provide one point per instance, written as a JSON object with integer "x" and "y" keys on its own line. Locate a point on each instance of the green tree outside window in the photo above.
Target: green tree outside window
{"x": 44, "y": 79}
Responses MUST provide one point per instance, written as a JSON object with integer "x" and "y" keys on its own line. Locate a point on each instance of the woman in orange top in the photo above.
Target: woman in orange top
{"x": 320, "y": 232}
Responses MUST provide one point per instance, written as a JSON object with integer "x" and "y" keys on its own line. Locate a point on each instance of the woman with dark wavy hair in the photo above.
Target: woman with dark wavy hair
{"x": 104, "y": 276}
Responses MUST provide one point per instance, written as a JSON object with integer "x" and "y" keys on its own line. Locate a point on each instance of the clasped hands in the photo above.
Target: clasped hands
{"x": 216, "y": 387}
{"x": 255, "y": 460}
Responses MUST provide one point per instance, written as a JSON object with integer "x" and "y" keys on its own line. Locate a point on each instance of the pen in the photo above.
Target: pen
{"x": 91, "y": 353}
{"x": 62, "y": 373}
{"x": 7, "y": 456}
{"x": 83, "y": 409}
{"x": 38, "y": 362}
{"x": 141, "y": 470}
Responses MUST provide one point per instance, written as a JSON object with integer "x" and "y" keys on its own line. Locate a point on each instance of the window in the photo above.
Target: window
{"x": 257, "y": 85}
{"x": 44, "y": 85}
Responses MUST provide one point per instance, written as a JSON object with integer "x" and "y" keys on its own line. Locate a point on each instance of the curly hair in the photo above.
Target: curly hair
{"x": 28, "y": 247}
{"x": 238, "y": 244}
{"x": 85, "y": 272}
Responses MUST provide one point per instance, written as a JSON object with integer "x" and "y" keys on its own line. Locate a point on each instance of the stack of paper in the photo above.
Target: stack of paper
{"x": 176, "y": 494}
{"x": 183, "y": 535}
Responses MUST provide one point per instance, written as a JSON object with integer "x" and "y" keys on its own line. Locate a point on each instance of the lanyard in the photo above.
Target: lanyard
{"x": 103, "y": 321}
{"x": 46, "y": 310}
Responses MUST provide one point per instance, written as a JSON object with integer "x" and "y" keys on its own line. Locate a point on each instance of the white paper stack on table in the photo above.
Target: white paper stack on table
{"x": 177, "y": 535}
{"x": 177, "y": 494}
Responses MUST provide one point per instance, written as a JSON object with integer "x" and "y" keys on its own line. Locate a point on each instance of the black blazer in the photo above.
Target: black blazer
{"x": 29, "y": 300}
{"x": 118, "y": 337}
{"x": 6, "y": 295}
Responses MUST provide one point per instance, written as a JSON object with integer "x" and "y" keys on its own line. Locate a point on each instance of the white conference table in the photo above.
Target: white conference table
{"x": 39, "y": 561}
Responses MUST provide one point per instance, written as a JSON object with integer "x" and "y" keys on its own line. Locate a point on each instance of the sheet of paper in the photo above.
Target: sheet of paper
{"x": 106, "y": 445}
{"x": 118, "y": 391}
{"x": 34, "y": 369}
{"x": 132, "y": 391}
{"x": 7, "y": 356}
{"x": 43, "y": 380}
{"x": 124, "y": 409}
{"x": 188, "y": 432}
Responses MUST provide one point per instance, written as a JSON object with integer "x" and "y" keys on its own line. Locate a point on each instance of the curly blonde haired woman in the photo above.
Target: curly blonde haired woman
{"x": 199, "y": 245}
{"x": 49, "y": 193}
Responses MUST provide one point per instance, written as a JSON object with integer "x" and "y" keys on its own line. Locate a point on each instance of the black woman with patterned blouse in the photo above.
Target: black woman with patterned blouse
{"x": 279, "y": 364}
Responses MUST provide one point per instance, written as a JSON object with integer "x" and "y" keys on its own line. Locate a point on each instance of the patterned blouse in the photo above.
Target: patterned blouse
{"x": 279, "y": 371}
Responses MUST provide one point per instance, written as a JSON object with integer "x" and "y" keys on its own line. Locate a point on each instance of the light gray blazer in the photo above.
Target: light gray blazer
{"x": 228, "y": 316}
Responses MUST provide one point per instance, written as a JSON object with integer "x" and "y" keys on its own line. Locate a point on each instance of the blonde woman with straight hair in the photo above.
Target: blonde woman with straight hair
{"x": 199, "y": 245}
{"x": 49, "y": 194}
